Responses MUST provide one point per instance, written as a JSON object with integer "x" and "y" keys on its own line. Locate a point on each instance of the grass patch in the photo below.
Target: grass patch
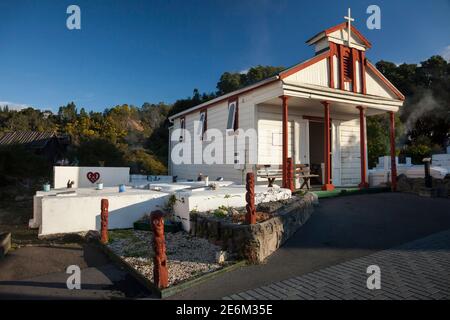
{"x": 118, "y": 234}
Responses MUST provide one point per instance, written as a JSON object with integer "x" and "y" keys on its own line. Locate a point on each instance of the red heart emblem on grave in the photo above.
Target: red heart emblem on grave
{"x": 93, "y": 176}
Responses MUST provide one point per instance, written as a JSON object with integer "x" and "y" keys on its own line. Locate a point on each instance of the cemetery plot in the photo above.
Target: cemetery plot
{"x": 188, "y": 257}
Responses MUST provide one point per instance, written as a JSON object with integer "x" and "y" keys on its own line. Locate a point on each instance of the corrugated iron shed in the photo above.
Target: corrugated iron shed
{"x": 31, "y": 139}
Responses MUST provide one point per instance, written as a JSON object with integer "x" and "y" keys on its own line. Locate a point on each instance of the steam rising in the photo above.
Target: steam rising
{"x": 425, "y": 104}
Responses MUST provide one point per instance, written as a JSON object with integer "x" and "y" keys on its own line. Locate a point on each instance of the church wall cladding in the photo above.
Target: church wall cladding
{"x": 350, "y": 153}
{"x": 268, "y": 120}
{"x": 216, "y": 118}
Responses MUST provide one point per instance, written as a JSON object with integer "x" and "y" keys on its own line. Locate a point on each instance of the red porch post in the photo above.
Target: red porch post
{"x": 393, "y": 164}
{"x": 362, "y": 148}
{"x": 285, "y": 140}
{"x": 328, "y": 186}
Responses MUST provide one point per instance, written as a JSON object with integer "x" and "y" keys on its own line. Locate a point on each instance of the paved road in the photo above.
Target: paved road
{"x": 339, "y": 230}
{"x": 39, "y": 272}
{"x": 417, "y": 270}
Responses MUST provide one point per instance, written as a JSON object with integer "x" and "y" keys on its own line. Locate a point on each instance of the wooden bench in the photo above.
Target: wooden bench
{"x": 303, "y": 171}
{"x": 272, "y": 172}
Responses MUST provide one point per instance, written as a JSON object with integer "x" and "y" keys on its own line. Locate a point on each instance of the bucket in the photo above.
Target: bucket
{"x": 100, "y": 186}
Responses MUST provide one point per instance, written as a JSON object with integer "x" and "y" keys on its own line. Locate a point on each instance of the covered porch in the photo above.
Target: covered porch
{"x": 324, "y": 129}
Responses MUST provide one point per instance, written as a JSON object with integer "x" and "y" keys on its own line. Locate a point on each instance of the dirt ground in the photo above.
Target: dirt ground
{"x": 14, "y": 216}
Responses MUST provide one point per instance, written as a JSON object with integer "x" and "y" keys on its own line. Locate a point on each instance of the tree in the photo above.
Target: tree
{"x": 426, "y": 112}
{"x": 68, "y": 113}
{"x": 229, "y": 82}
{"x": 142, "y": 162}
{"x": 99, "y": 152}
{"x": 233, "y": 81}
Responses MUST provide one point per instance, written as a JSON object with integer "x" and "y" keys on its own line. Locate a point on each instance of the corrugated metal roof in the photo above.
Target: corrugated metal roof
{"x": 32, "y": 139}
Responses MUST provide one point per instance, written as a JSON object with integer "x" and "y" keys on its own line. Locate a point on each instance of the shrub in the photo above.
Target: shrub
{"x": 19, "y": 162}
{"x": 141, "y": 162}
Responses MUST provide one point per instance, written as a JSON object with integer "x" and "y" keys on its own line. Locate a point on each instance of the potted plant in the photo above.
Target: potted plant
{"x": 99, "y": 185}
{"x": 46, "y": 187}
{"x": 170, "y": 222}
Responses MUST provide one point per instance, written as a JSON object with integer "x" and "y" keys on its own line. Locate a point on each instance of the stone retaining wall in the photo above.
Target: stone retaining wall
{"x": 440, "y": 187}
{"x": 255, "y": 242}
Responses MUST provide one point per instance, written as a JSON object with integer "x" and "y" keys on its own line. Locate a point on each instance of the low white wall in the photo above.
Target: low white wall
{"x": 82, "y": 213}
{"x": 441, "y": 160}
{"x": 109, "y": 176}
{"x": 226, "y": 196}
{"x": 379, "y": 177}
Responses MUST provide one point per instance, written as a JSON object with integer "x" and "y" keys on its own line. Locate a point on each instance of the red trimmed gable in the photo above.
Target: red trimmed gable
{"x": 354, "y": 31}
{"x": 347, "y": 67}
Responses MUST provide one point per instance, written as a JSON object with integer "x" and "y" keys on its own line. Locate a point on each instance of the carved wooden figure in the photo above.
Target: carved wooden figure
{"x": 160, "y": 272}
{"x": 104, "y": 220}
{"x": 250, "y": 218}
{"x": 290, "y": 174}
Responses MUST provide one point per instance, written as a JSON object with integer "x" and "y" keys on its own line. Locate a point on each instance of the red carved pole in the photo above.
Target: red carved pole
{"x": 290, "y": 174}
{"x": 285, "y": 139}
{"x": 160, "y": 272}
{"x": 362, "y": 147}
{"x": 104, "y": 220}
{"x": 250, "y": 218}
{"x": 327, "y": 185}
{"x": 392, "y": 142}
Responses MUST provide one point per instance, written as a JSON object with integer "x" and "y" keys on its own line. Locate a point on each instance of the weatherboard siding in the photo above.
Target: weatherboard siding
{"x": 217, "y": 116}
{"x": 350, "y": 152}
{"x": 376, "y": 87}
{"x": 270, "y": 125}
{"x": 317, "y": 74}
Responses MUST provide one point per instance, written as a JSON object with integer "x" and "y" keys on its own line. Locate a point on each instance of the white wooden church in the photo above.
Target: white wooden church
{"x": 294, "y": 110}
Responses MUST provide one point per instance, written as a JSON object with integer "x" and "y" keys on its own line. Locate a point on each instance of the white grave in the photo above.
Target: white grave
{"x": 231, "y": 196}
{"x": 381, "y": 174}
{"x": 85, "y": 177}
{"x": 75, "y": 210}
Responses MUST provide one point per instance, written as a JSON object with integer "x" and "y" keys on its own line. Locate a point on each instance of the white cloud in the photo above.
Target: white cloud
{"x": 14, "y": 105}
{"x": 244, "y": 71}
{"x": 446, "y": 53}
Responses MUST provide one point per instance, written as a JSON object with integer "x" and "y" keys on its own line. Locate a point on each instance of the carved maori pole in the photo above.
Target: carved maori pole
{"x": 104, "y": 220}
{"x": 160, "y": 273}
{"x": 250, "y": 218}
{"x": 290, "y": 174}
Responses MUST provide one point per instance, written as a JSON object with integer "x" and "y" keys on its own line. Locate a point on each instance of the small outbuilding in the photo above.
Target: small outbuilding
{"x": 46, "y": 143}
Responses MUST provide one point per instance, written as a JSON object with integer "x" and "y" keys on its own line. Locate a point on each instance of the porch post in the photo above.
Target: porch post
{"x": 285, "y": 140}
{"x": 362, "y": 147}
{"x": 393, "y": 163}
{"x": 328, "y": 186}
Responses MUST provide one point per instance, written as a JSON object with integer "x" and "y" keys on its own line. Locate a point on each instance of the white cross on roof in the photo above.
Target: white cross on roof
{"x": 349, "y": 25}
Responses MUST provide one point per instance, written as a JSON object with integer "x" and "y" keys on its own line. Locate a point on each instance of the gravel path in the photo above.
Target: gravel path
{"x": 187, "y": 256}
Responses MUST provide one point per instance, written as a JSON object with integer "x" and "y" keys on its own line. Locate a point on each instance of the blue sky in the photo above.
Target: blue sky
{"x": 160, "y": 50}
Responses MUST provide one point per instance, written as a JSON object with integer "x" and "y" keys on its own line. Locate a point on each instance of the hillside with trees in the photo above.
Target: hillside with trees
{"x": 423, "y": 125}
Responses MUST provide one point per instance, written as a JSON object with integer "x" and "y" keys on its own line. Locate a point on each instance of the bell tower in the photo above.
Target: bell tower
{"x": 347, "y": 60}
